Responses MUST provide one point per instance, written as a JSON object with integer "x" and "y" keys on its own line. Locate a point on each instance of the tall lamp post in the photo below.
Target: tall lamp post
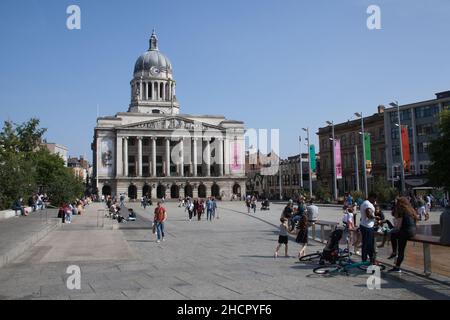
{"x": 399, "y": 125}
{"x": 335, "y": 190}
{"x": 360, "y": 115}
{"x": 309, "y": 162}
{"x": 300, "y": 164}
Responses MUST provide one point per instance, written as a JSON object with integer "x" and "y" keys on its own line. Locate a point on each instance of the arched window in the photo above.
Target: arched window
{"x": 202, "y": 191}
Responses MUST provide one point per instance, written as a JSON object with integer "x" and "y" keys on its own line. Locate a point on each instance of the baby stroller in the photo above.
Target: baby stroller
{"x": 331, "y": 253}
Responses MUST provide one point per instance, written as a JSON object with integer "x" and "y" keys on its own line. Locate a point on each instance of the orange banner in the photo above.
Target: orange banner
{"x": 405, "y": 149}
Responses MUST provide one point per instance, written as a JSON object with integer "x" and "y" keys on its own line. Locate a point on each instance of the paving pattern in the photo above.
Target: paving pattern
{"x": 229, "y": 258}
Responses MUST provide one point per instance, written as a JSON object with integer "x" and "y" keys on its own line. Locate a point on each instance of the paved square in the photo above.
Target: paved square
{"x": 229, "y": 258}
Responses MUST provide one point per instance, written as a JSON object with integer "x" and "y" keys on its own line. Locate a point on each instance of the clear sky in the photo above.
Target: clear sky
{"x": 283, "y": 64}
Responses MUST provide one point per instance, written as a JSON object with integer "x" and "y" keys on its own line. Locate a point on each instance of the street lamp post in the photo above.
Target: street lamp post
{"x": 335, "y": 190}
{"x": 360, "y": 115}
{"x": 309, "y": 162}
{"x": 399, "y": 124}
{"x": 300, "y": 161}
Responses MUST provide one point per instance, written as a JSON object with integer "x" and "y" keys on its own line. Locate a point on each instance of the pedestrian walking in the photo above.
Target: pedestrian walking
{"x": 159, "y": 219}
{"x": 282, "y": 238}
{"x": 302, "y": 234}
{"x": 209, "y": 209}
{"x": 190, "y": 208}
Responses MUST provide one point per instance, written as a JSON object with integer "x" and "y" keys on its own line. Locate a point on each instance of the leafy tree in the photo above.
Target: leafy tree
{"x": 384, "y": 191}
{"x": 439, "y": 171}
{"x": 26, "y": 167}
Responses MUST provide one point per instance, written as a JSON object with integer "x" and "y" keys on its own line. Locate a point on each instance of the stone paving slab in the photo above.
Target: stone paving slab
{"x": 18, "y": 234}
{"x": 230, "y": 258}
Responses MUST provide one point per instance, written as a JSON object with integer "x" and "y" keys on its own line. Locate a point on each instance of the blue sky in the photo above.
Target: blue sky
{"x": 283, "y": 64}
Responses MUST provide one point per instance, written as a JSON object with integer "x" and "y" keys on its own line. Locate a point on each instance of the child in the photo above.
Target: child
{"x": 283, "y": 237}
{"x": 302, "y": 235}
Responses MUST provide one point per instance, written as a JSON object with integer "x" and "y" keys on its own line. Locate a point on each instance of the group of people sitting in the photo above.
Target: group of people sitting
{"x": 77, "y": 207}
{"x": 114, "y": 210}
{"x": 35, "y": 202}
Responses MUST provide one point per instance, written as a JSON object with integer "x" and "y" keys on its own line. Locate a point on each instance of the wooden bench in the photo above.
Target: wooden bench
{"x": 427, "y": 241}
{"x": 322, "y": 224}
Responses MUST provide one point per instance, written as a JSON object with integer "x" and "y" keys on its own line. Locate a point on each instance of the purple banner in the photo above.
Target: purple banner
{"x": 236, "y": 163}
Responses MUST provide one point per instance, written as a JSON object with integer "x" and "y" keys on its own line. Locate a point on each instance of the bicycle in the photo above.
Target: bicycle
{"x": 319, "y": 257}
{"x": 344, "y": 267}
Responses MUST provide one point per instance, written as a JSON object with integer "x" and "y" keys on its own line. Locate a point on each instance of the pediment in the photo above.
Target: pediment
{"x": 172, "y": 123}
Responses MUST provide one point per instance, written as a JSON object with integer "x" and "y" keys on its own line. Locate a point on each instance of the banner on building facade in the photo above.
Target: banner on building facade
{"x": 405, "y": 148}
{"x": 367, "y": 150}
{"x": 312, "y": 159}
{"x": 337, "y": 158}
{"x": 235, "y": 156}
{"x": 106, "y": 167}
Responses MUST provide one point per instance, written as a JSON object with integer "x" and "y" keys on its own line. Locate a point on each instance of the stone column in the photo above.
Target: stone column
{"x": 119, "y": 156}
{"x": 194, "y": 156}
{"x": 140, "y": 90}
{"x": 153, "y": 156}
{"x": 220, "y": 157}
{"x": 181, "y": 157}
{"x": 167, "y": 157}
{"x": 208, "y": 157}
{"x": 139, "y": 170}
{"x": 125, "y": 156}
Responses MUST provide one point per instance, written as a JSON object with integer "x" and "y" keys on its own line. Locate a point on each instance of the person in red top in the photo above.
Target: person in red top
{"x": 158, "y": 221}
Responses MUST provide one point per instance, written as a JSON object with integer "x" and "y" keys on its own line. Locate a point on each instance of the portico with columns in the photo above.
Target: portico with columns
{"x": 154, "y": 150}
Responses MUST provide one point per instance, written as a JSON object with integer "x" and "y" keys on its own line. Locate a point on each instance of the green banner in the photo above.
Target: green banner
{"x": 312, "y": 160}
{"x": 368, "y": 152}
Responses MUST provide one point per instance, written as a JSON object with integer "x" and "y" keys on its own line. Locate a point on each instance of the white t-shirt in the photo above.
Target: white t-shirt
{"x": 348, "y": 217}
{"x": 366, "y": 222}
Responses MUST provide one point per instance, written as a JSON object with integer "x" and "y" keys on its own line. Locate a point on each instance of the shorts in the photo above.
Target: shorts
{"x": 283, "y": 239}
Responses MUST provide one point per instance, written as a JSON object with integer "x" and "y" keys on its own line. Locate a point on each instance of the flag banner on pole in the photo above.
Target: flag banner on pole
{"x": 337, "y": 158}
{"x": 405, "y": 148}
{"x": 312, "y": 160}
{"x": 368, "y": 152}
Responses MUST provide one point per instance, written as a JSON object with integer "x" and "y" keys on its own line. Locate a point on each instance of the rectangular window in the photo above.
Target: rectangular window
{"x": 423, "y": 147}
{"x": 427, "y": 111}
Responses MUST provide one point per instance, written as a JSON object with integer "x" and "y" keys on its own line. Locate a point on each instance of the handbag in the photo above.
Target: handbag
{"x": 154, "y": 228}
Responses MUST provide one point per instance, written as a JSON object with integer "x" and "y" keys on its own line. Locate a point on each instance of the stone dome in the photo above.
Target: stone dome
{"x": 152, "y": 62}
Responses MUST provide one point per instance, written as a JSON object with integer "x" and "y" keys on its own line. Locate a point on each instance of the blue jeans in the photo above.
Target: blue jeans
{"x": 210, "y": 214}
{"x": 368, "y": 243}
{"x": 160, "y": 230}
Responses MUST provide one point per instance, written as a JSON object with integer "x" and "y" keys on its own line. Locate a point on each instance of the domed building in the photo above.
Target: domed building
{"x": 154, "y": 150}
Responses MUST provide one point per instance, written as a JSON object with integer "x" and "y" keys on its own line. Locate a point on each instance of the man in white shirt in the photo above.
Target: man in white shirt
{"x": 367, "y": 223}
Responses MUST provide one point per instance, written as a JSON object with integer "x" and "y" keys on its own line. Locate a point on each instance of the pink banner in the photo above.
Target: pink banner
{"x": 236, "y": 163}
{"x": 337, "y": 158}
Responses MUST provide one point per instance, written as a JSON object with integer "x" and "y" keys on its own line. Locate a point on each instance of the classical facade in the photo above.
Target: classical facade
{"x": 155, "y": 150}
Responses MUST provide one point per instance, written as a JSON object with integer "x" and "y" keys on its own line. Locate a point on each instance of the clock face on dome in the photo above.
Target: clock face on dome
{"x": 155, "y": 71}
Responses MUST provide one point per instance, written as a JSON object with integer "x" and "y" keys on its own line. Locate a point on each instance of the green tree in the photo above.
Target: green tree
{"x": 439, "y": 150}
{"x": 26, "y": 167}
{"x": 384, "y": 191}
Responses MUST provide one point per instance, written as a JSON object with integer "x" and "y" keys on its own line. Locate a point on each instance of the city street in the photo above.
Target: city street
{"x": 229, "y": 258}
